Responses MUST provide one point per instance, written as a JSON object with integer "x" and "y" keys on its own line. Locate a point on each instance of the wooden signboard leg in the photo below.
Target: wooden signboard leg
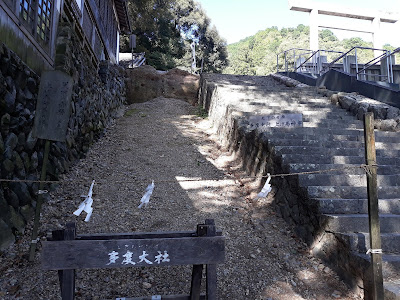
{"x": 68, "y": 276}
{"x": 373, "y": 209}
{"x": 211, "y": 269}
{"x": 196, "y": 282}
{"x": 39, "y": 202}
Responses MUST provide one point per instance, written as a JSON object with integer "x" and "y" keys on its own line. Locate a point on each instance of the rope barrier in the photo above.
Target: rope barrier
{"x": 366, "y": 168}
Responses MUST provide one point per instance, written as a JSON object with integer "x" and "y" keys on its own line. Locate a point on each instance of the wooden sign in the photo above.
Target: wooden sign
{"x": 66, "y": 251}
{"x": 283, "y": 120}
{"x": 132, "y": 253}
{"x": 53, "y": 106}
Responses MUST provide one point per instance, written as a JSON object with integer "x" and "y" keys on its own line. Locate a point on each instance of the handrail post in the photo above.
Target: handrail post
{"x": 286, "y": 66}
{"x": 294, "y": 59}
{"x": 388, "y": 66}
{"x": 355, "y": 51}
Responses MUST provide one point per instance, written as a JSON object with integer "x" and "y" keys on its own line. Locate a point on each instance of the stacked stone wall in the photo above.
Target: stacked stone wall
{"x": 97, "y": 98}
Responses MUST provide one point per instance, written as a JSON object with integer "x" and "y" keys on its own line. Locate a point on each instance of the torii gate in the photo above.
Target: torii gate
{"x": 316, "y": 8}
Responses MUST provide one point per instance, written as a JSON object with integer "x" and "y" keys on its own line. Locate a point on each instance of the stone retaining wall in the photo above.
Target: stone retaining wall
{"x": 256, "y": 154}
{"x": 97, "y": 98}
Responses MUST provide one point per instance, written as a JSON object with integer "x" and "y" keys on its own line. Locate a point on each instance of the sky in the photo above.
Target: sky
{"x": 237, "y": 19}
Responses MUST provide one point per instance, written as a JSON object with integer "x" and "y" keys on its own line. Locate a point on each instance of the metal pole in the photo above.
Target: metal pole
{"x": 391, "y": 69}
{"x": 388, "y": 66}
{"x": 294, "y": 60}
{"x": 286, "y": 67}
{"x": 373, "y": 209}
{"x": 39, "y": 202}
{"x": 355, "y": 51}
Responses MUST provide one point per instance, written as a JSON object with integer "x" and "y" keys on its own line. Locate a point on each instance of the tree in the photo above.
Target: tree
{"x": 166, "y": 28}
{"x": 257, "y": 54}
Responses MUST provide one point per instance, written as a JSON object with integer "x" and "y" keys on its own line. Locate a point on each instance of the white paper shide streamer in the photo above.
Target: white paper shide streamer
{"x": 86, "y": 205}
{"x": 146, "y": 197}
{"x": 266, "y": 189}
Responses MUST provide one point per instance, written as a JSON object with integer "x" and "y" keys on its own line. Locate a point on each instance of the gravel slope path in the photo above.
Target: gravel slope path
{"x": 165, "y": 141}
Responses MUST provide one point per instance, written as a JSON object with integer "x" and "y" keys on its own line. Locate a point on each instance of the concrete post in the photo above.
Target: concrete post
{"x": 347, "y": 61}
{"x": 314, "y": 29}
{"x": 376, "y": 27}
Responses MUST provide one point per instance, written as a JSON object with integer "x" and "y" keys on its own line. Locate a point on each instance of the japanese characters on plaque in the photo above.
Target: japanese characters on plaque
{"x": 53, "y": 106}
{"x": 127, "y": 257}
{"x": 283, "y": 120}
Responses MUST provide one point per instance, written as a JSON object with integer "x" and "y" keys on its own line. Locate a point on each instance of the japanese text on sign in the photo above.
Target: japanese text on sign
{"x": 128, "y": 258}
{"x": 53, "y": 106}
{"x": 283, "y": 120}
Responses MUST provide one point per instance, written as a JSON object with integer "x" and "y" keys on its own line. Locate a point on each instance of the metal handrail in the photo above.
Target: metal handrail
{"x": 318, "y": 51}
{"x": 370, "y": 64}
{"x": 138, "y": 59}
{"x": 285, "y": 52}
{"x": 308, "y": 50}
{"x": 344, "y": 54}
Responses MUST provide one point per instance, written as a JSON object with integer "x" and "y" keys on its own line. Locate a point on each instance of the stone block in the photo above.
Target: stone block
{"x": 346, "y": 101}
{"x": 3, "y": 205}
{"x": 5, "y": 124}
{"x": 335, "y": 99}
{"x": 30, "y": 141}
{"x": 16, "y": 220}
{"x": 32, "y": 85}
{"x": 27, "y": 162}
{"x": 21, "y": 189}
{"x": 12, "y": 198}
{"x": 393, "y": 113}
{"x": 1, "y": 145}
{"x": 11, "y": 141}
{"x": 6, "y": 235}
{"x": 27, "y": 212}
{"x": 18, "y": 164}
{"x": 10, "y": 100}
{"x": 8, "y": 167}
{"x": 34, "y": 161}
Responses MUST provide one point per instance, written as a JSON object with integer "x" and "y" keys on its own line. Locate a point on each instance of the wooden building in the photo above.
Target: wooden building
{"x": 29, "y": 28}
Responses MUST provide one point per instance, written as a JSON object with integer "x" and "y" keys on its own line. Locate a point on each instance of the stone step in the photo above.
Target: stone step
{"x": 277, "y": 131}
{"x": 340, "y": 124}
{"x": 347, "y": 180}
{"x": 349, "y": 223}
{"x": 333, "y": 151}
{"x": 289, "y": 102}
{"x": 330, "y": 144}
{"x": 360, "y": 242}
{"x": 312, "y": 137}
{"x": 356, "y": 206}
{"x": 386, "y": 136}
{"x": 337, "y": 159}
{"x": 353, "y": 169}
{"x": 313, "y": 115}
{"x": 336, "y": 123}
{"x": 292, "y": 105}
{"x": 351, "y": 192}
{"x": 262, "y": 109}
{"x": 330, "y": 120}
{"x": 390, "y": 265}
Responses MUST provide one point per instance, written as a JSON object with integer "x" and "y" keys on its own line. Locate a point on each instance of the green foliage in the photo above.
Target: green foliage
{"x": 256, "y": 55}
{"x": 166, "y": 28}
{"x": 201, "y": 112}
{"x": 130, "y": 112}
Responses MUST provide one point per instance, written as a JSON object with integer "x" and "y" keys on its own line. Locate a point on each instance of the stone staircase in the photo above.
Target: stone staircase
{"x": 329, "y": 209}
